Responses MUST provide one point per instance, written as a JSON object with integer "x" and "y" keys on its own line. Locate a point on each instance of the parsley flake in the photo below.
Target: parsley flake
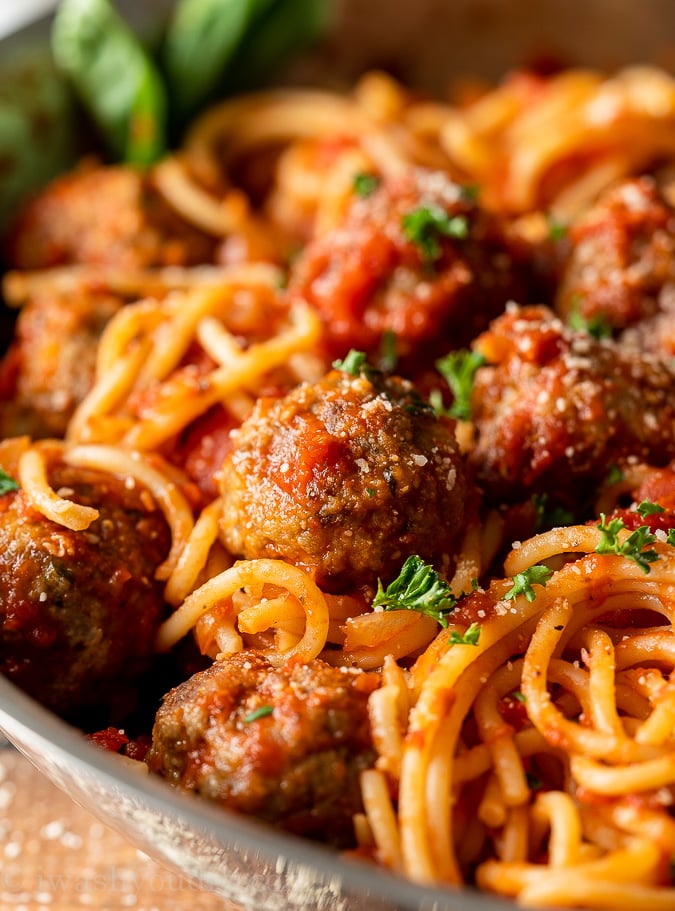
{"x": 7, "y": 483}
{"x": 425, "y": 225}
{"x": 671, "y": 537}
{"x": 632, "y": 547}
{"x": 534, "y": 783}
{"x": 647, "y": 508}
{"x": 365, "y": 184}
{"x": 550, "y": 516}
{"x": 518, "y": 696}
{"x": 470, "y": 192}
{"x": 523, "y": 582}
{"x": 388, "y": 355}
{"x": 470, "y": 637}
{"x": 355, "y": 364}
{"x": 418, "y": 587}
{"x": 596, "y": 326}
{"x": 458, "y": 369}
{"x": 614, "y": 474}
{"x": 557, "y": 230}
{"x": 261, "y": 712}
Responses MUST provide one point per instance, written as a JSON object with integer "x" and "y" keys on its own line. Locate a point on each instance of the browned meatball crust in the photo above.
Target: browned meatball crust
{"x": 347, "y": 476}
{"x": 49, "y": 367}
{"x": 284, "y": 744}
{"x": 555, "y": 407}
{"x": 621, "y": 264}
{"x": 107, "y": 216}
{"x": 655, "y": 335}
{"x": 79, "y": 610}
{"x": 371, "y": 276}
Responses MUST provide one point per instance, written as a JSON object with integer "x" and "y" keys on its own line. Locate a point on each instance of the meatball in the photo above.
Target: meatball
{"x": 284, "y": 744}
{"x": 79, "y": 610}
{"x": 621, "y": 264}
{"x": 107, "y": 216}
{"x": 556, "y": 407}
{"x": 49, "y": 367}
{"x": 418, "y": 258}
{"x": 347, "y": 476}
{"x": 655, "y": 334}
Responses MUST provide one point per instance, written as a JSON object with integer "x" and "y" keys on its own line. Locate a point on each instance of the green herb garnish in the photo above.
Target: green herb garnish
{"x": 141, "y": 98}
{"x": 7, "y": 483}
{"x": 355, "y": 363}
{"x": 632, "y": 547}
{"x": 114, "y": 76}
{"x": 260, "y": 712}
{"x": 557, "y": 230}
{"x": 596, "y": 326}
{"x": 418, "y": 587}
{"x": 647, "y": 508}
{"x": 550, "y": 516}
{"x": 614, "y": 474}
{"x": 366, "y": 184}
{"x": 425, "y": 226}
{"x": 523, "y": 582}
{"x": 534, "y": 783}
{"x": 458, "y": 369}
{"x": 518, "y": 696}
{"x": 671, "y": 537}
{"x": 201, "y": 40}
{"x": 470, "y": 192}
{"x": 388, "y": 356}
{"x": 470, "y": 637}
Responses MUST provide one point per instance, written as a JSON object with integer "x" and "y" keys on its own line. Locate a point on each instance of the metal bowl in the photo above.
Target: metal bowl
{"x": 427, "y": 43}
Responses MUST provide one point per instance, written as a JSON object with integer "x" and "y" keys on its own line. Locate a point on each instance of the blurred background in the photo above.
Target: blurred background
{"x": 14, "y": 14}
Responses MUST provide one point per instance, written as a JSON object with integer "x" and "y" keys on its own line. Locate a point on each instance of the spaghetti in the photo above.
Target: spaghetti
{"x": 520, "y": 713}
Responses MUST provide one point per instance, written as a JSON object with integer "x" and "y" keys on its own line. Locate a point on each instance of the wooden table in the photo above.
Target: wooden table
{"x": 54, "y": 856}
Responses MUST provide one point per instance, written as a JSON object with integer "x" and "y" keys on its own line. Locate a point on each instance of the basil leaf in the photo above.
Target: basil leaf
{"x": 114, "y": 77}
{"x": 288, "y": 27}
{"x": 201, "y": 39}
{"x": 7, "y": 483}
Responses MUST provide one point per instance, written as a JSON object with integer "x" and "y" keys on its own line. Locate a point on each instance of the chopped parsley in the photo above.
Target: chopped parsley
{"x": 426, "y": 225}
{"x": 388, "y": 356}
{"x": 458, "y": 369}
{"x": 633, "y": 546}
{"x": 470, "y": 192}
{"x": 647, "y": 508}
{"x": 523, "y": 582}
{"x": 518, "y": 696}
{"x": 262, "y": 712}
{"x": 557, "y": 230}
{"x": 436, "y": 402}
{"x": 534, "y": 783}
{"x": 355, "y": 364}
{"x": 671, "y": 537}
{"x": 365, "y": 184}
{"x": 550, "y": 516}
{"x": 7, "y": 483}
{"x": 597, "y": 325}
{"x": 470, "y": 637}
{"x": 614, "y": 475}
{"x": 418, "y": 587}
